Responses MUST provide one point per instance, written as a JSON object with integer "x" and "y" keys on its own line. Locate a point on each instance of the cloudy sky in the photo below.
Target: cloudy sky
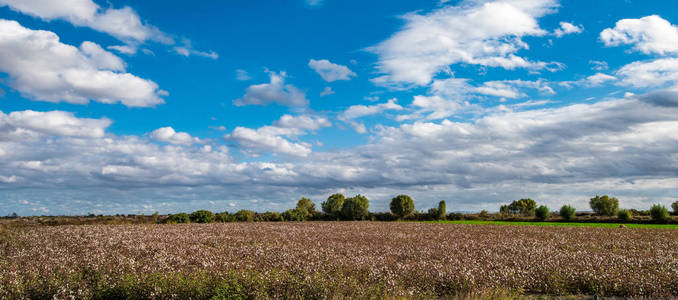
{"x": 141, "y": 106}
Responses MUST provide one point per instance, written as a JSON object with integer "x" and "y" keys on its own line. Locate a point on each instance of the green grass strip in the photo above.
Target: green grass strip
{"x": 566, "y": 224}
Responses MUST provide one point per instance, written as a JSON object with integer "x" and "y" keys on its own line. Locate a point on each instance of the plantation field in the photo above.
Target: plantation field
{"x": 564, "y": 224}
{"x": 334, "y": 260}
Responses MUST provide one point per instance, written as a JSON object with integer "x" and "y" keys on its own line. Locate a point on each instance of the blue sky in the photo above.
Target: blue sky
{"x": 136, "y": 107}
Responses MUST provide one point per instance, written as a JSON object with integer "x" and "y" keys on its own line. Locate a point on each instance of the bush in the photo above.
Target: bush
{"x": 293, "y": 215}
{"x": 225, "y": 217}
{"x": 442, "y": 210}
{"x": 355, "y": 207}
{"x": 624, "y": 214}
{"x": 244, "y": 215}
{"x": 484, "y": 214}
{"x": 202, "y": 216}
{"x": 402, "y": 206}
{"x": 431, "y": 215}
{"x": 178, "y": 218}
{"x": 675, "y": 207}
{"x": 659, "y": 213}
{"x": 306, "y": 208}
{"x": 269, "y": 217}
{"x": 567, "y": 212}
{"x": 332, "y": 207}
{"x": 525, "y": 206}
{"x": 542, "y": 212}
{"x": 606, "y": 206}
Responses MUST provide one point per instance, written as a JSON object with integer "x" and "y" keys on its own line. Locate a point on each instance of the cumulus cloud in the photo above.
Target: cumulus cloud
{"x": 276, "y": 138}
{"x": 486, "y": 33}
{"x": 276, "y": 91}
{"x": 122, "y": 23}
{"x": 359, "y": 111}
{"x": 572, "y": 152}
{"x": 168, "y": 135}
{"x": 330, "y": 71}
{"x": 655, "y": 73}
{"x": 567, "y": 28}
{"x": 649, "y": 35}
{"x": 20, "y": 123}
{"x": 511, "y": 88}
{"x": 43, "y": 68}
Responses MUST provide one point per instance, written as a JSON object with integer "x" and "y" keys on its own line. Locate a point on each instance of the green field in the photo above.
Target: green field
{"x": 566, "y": 224}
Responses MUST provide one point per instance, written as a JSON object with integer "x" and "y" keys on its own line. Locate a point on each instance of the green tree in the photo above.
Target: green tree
{"x": 244, "y": 215}
{"x": 542, "y": 212}
{"x": 332, "y": 206}
{"x": 442, "y": 210}
{"x": 659, "y": 213}
{"x": 604, "y": 205}
{"x": 402, "y": 206}
{"x": 624, "y": 214}
{"x": 202, "y": 216}
{"x": 525, "y": 206}
{"x": 305, "y": 207}
{"x": 355, "y": 207}
{"x": 178, "y": 218}
{"x": 293, "y": 215}
{"x": 675, "y": 207}
{"x": 567, "y": 212}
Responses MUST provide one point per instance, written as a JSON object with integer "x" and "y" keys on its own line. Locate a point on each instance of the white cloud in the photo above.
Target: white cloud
{"x": 359, "y": 111}
{"x": 598, "y": 65}
{"x": 275, "y": 138}
{"x": 276, "y": 91}
{"x": 330, "y": 71}
{"x": 474, "y": 32}
{"x": 168, "y": 135}
{"x": 122, "y": 23}
{"x": 43, "y": 68}
{"x": 242, "y": 75}
{"x": 511, "y": 88}
{"x": 567, "y": 28}
{"x": 599, "y": 79}
{"x": 59, "y": 123}
{"x": 655, "y": 73}
{"x": 327, "y": 91}
{"x": 649, "y": 35}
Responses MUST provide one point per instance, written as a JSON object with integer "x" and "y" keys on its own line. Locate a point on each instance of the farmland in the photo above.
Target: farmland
{"x": 334, "y": 260}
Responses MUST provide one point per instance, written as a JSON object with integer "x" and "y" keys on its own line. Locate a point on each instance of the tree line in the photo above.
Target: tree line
{"x": 338, "y": 207}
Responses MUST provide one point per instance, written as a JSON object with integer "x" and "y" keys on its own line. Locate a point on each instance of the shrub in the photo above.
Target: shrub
{"x": 270, "y": 217}
{"x": 202, "y": 216}
{"x": 605, "y": 205}
{"x": 504, "y": 210}
{"x": 659, "y": 213}
{"x": 442, "y": 210}
{"x": 332, "y": 207}
{"x": 525, "y": 206}
{"x": 484, "y": 214}
{"x": 675, "y": 207}
{"x": 567, "y": 212}
{"x": 624, "y": 214}
{"x": 306, "y": 208}
{"x": 244, "y": 215}
{"x": 431, "y": 215}
{"x": 402, "y": 206}
{"x": 178, "y": 218}
{"x": 355, "y": 207}
{"x": 225, "y": 217}
{"x": 542, "y": 212}
{"x": 293, "y": 215}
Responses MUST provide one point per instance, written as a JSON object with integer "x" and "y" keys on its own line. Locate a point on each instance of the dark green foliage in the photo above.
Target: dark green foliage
{"x": 202, "y": 216}
{"x": 225, "y": 217}
{"x": 179, "y": 218}
{"x": 604, "y": 205}
{"x": 525, "y": 206}
{"x": 432, "y": 214}
{"x": 244, "y": 216}
{"x": 402, "y": 206}
{"x": 269, "y": 217}
{"x": 659, "y": 213}
{"x": 332, "y": 207}
{"x": 542, "y": 212}
{"x": 567, "y": 212}
{"x": 484, "y": 214}
{"x": 504, "y": 210}
{"x": 355, "y": 208}
{"x": 293, "y": 215}
{"x": 306, "y": 208}
{"x": 624, "y": 214}
{"x": 442, "y": 210}
{"x": 675, "y": 207}
{"x": 230, "y": 290}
